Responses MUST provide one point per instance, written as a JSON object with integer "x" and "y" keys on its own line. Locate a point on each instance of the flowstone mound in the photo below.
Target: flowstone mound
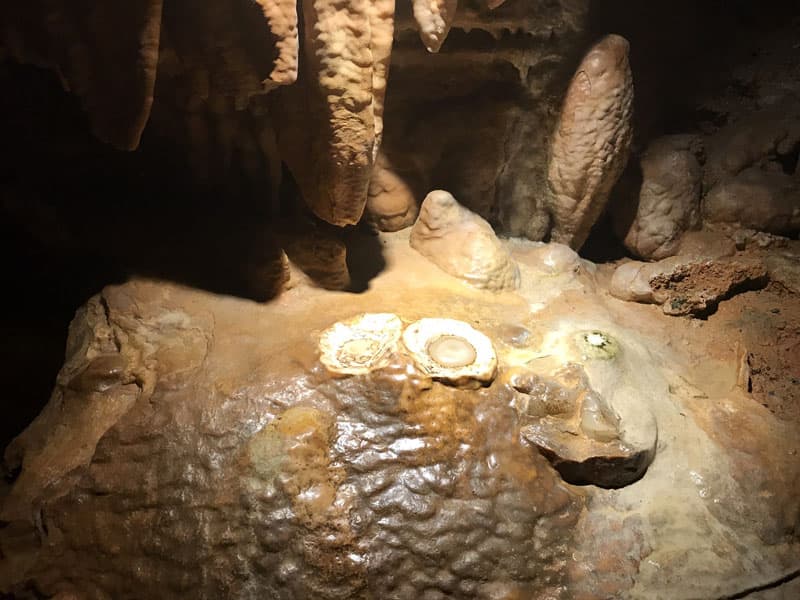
{"x": 208, "y": 447}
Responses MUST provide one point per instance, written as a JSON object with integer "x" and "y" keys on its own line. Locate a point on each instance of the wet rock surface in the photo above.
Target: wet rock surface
{"x": 196, "y": 446}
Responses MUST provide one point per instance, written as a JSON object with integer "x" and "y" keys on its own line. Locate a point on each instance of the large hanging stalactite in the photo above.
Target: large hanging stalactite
{"x": 282, "y": 18}
{"x": 330, "y": 123}
{"x": 434, "y": 18}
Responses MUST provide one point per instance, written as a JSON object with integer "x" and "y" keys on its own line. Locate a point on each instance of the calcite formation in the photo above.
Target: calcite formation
{"x": 190, "y": 433}
{"x": 241, "y": 88}
{"x": 434, "y": 18}
{"x": 282, "y": 18}
{"x": 106, "y": 54}
{"x": 361, "y": 344}
{"x": 110, "y": 59}
{"x": 577, "y": 430}
{"x": 462, "y": 244}
{"x": 591, "y": 141}
{"x": 452, "y": 351}
{"x": 320, "y": 256}
{"x": 669, "y": 199}
{"x": 391, "y": 204}
{"x": 346, "y": 54}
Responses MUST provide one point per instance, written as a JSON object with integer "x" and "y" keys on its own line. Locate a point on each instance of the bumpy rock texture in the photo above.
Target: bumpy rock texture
{"x": 592, "y": 140}
{"x": 576, "y": 429}
{"x": 462, "y": 244}
{"x": 381, "y": 486}
{"x": 669, "y": 198}
{"x": 434, "y": 18}
{"x": 268, "y": 91}
{"x": 685, "y": 285}
{"x": 391, "y": 204}
{"x": 195, "y": 446}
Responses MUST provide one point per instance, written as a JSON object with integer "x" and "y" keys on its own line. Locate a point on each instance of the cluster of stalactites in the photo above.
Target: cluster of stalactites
{"x": 110, "y": 55}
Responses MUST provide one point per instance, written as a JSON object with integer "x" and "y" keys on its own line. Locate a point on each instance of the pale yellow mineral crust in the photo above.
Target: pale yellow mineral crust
{"x": 434, "y": 18}
{"x": 462, "y": 244}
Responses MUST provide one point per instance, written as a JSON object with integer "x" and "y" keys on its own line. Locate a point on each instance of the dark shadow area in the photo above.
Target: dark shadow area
{"x": 683, "y": 49}
{"x": 605, "y": 241}
{"x": 603, "y": 245}
{"x": 77, "y": 215}
{"x": 682, "y": 52}
{"x": 365, "y": 259}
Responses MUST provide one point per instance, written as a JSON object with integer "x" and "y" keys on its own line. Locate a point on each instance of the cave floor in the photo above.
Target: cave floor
{"x": 207, "y": 424}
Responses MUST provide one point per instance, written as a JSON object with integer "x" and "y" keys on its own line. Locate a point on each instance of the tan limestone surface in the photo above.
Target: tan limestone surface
{"x": 194, "y": 446}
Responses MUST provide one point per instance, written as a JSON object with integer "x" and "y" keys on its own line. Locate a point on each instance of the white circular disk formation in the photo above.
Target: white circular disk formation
{"x": 361, "y": 344}
{"x": 451, "y": 350}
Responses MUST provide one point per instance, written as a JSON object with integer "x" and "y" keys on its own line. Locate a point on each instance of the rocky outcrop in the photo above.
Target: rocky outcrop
{"x": 462, "y": 244}
{"x": 577, "y": 430}
{"x": 303, "y": 484}
{"x": 685, "y": 285}
{"x": 297, "y": 449}
{"x": 591, "y": 141}
{"x": 669, "y": 199}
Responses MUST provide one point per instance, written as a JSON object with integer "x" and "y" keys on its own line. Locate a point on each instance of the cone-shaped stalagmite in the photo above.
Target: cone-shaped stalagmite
{"x": 591, "y": 143}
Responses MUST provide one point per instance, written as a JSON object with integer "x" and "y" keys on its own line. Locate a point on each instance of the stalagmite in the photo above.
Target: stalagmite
{"x": 462, "y": 244}
{"x": 591, "y": 142}
{"x": 669, "y": 198}
{"x": 391, "y": 205}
